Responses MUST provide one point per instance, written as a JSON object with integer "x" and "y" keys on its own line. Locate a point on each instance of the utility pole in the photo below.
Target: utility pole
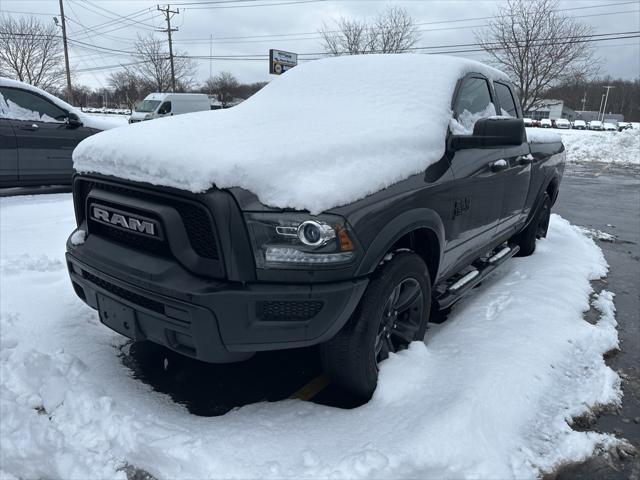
{"x": 210, "y": 55}
{"x": 600, "y": 108}
{"x": 168, "y": 15}
{"x": 604, "y": 109}
{"x": 584, "y": 100}
{"x": 66, "y": 54}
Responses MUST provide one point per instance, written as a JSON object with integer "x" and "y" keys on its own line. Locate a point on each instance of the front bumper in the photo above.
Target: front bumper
{"x": 213, "y": 321}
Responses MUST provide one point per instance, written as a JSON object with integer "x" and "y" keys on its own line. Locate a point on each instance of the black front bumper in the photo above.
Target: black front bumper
{"x": 213, "y": 321}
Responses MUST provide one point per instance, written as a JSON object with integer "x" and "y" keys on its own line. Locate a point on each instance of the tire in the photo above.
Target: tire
{"x": 536, "y": 229}
{"x": 385, "y": 320}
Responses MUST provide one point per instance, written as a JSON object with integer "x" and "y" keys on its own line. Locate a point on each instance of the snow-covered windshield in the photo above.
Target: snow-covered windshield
{"x": 146, "y": 106}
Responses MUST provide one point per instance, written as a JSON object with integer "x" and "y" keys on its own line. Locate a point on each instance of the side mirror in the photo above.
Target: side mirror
{"x": 73, "y": 121}
{"x": 492, "y": 132}
{"x": 162, "y": 111}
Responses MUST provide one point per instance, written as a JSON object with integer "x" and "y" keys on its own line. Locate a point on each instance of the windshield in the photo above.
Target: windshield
{"x": 147, "y": 106}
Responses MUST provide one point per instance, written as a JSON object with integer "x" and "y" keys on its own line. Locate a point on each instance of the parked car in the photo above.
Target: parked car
{"x": 624, "y": 126}
{"x": 535, "y": 123}
{"x": 595, "y": 125}
{"x": 580, "y": 125}
{"x": 255, "y": 248}
{"x": 38, "y": 133}
{"x": 527, "y": 122}
{"x": 609, "y": 127}
{"x": 157, "y": 105}
{"x": 546, "y": 123}
{"x": 563, "y": 123}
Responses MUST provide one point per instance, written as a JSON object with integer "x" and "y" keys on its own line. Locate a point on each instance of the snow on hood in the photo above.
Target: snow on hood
{"x": 9, "y": 109}
{"x": 325, "y": 134}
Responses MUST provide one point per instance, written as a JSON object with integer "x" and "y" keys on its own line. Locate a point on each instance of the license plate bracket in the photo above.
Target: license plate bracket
{"x": 118, "y": 317}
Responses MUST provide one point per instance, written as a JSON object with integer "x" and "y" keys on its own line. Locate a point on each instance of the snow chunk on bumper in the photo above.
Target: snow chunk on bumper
{"x": 325, "y": 134}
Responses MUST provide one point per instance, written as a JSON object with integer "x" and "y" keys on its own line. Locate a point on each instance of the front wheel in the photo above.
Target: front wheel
{"x": 393, "y": 312}
{"x": 536, "y": 229}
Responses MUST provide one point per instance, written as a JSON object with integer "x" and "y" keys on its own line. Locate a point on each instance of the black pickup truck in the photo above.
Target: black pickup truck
{"x": 218, "y": 275}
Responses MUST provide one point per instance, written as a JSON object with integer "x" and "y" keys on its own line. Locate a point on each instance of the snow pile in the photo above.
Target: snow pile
{"x": 542, "y": 135}
{"x": 9, "y": 109}
{"x": 608, "y": 147}
{"x": 489, "y": 396}
{"x": 324, "y": 134}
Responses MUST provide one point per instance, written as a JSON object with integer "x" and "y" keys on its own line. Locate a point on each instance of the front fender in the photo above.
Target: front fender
{"x": 394, "y": 230}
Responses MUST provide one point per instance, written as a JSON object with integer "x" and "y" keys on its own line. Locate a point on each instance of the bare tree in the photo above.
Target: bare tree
{"x": 155, "y": 67}
{"x": 128, "y": 87}
{"x": 393, "y": 31}
{"x": 31, "y": 51}
{"x": 538, "y": 47}
{"x": 224, "y": 85}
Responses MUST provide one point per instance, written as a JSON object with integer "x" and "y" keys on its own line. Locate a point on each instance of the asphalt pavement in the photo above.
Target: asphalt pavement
{"x": 607, "y": 198}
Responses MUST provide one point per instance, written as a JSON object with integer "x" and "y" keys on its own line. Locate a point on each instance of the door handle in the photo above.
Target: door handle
{"x": 526, "y": 159}
{"x": 32, "y": 127}
{"x": 498, "y": 165}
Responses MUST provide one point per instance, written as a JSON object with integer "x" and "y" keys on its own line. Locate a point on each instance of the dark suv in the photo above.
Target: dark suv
{"x": 38, "y": 133}
{"x": 218, "y": 276}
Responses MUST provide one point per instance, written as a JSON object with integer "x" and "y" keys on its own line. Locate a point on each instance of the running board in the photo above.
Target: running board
{"x": 456, "y": 290}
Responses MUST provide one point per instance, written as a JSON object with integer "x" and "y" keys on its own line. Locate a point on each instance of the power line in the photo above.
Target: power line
{"x": 437, "y": 22}
{"x": 539, "y": 42}
{"x": 292, "y": 2}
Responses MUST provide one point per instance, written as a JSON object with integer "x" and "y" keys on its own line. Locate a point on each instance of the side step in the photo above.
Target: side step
{"x": 482, "y": 268}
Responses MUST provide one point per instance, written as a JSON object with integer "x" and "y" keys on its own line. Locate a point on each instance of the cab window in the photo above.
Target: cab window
{"x": 31, "y": 106}
{"x": 472, "y": 103}
{"x": 505, "y": 98}
{"x": 165, "y": 108}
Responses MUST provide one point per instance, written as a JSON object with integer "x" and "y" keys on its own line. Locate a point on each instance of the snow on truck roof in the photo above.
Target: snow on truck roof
{"x": 324, "y": 134}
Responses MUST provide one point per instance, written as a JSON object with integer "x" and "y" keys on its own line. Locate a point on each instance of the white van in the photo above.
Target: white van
{"x": 158, "y": 105}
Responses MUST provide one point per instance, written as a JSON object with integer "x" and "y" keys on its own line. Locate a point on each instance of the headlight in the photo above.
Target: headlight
{"x": 293, "y": 240}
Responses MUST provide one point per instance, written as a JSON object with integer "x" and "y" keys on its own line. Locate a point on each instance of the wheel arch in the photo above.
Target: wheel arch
{"x": 420, "y": 230}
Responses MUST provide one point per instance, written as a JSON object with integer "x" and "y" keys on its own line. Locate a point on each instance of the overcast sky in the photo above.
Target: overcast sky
{"x": 292, "y": 25}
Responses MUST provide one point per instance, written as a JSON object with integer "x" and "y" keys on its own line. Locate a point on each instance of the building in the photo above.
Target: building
{"x": 588, "y": 115}
{"x": 551, "y": 109}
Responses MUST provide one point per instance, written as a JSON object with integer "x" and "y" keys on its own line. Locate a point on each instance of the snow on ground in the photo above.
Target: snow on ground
{"x": 608, "y": 147}
{"x": 488, "y": 396}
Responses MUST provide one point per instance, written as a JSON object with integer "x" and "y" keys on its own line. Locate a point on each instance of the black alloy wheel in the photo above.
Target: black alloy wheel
{"x": 393, "y": 312}
{"x": 401, "y": 319}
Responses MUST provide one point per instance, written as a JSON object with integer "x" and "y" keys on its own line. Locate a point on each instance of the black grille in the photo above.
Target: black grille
{"x": 273, "y": 311}
{"x": 124, "y": 294}
{"x": 197, "y": 221}
{"x": 140, "y": 242}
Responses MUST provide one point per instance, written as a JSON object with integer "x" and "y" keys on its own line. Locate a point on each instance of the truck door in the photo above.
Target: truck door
{"x": 8, "y": 154}
{"x": 165, "y": 109}
{"x": 44, "y": 140}
{"x": 478, "y": 185}
{"x": 517, "y": 176}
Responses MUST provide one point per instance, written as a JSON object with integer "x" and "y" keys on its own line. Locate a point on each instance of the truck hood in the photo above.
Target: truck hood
{"x": 325, "y": 134}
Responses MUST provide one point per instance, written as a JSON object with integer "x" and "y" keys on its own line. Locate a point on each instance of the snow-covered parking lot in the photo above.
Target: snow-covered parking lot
{"x": 490, "y": 394}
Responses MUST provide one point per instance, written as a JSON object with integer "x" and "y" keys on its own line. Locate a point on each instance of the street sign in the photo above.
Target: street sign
{"x": 280, "y": 62}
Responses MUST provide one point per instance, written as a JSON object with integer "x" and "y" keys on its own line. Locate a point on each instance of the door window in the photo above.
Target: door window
{"x": 473, "y": 102}
{"x": 505, "y": 98}
{"x": 23, "y": 105}
{"x": 165, "y": 108}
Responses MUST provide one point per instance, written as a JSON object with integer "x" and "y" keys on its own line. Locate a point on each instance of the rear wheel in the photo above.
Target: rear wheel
{"x": 393, "y": 312}
{"x": 538, "y": 227}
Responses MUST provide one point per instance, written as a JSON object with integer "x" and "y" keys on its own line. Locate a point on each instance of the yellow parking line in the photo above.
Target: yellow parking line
{"x": 311, "y": 389}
